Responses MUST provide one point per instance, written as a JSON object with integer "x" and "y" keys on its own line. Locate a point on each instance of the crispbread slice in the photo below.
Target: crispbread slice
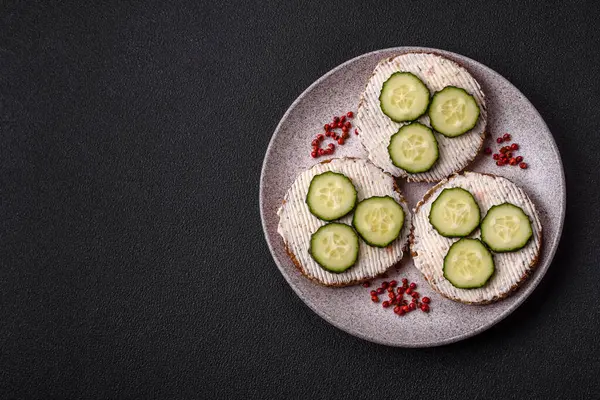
{"x": 376, "y": 128}
{"x": 297, "y": 224}
{"x": 429, "y": 248}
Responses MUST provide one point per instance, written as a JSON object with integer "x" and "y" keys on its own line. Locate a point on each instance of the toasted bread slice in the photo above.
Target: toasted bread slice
{"x": 429, "y": 248}
{"x": 376, "y": 128}
{"x": 297, "y": 224}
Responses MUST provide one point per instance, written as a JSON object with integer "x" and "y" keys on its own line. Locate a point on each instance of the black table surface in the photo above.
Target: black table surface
{"x": 132, "y": 257}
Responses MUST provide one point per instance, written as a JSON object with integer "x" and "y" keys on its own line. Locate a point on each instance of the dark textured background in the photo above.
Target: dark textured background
{"x": 132, "y": 261}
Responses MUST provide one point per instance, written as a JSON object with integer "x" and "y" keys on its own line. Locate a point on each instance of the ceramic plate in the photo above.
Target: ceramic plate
{"x": 350, "y": 309}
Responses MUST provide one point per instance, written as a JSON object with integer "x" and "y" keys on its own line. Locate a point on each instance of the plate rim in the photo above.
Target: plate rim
{"x": 525, "y": 292}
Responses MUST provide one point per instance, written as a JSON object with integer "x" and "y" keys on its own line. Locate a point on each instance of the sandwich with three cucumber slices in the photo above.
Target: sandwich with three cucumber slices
{"x": 344, "y": 221}
{"x": 421, "y": 117}
{"x": 474, "y": 237}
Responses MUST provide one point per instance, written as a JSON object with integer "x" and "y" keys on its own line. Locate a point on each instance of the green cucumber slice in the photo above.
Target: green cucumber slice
{"x": 453, "y": 111}
{"x": 468, "y": 264}
{"x": 506, "y": 228}
{"x": 404, "y": 97}
{"x": 334, "y": 247}
{"x": 330, "y": 196}
{"x": 414, "y": 148}
{"x": 378, "y": 220}
{"x": 454, "y": 213}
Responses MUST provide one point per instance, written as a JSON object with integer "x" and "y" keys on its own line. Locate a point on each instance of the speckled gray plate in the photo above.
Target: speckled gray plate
{"x": 350, "y": 309}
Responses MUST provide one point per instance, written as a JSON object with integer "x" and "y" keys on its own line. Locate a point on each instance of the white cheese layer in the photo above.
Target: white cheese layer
{"x": 297, "y": 224}
{"x": 429, "y": 248}
{"x": 376, "y": 128}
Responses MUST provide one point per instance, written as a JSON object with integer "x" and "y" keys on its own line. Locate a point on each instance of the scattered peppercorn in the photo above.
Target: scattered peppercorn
{"x": 505, "y": 155}
{"x": 338, "y": 122}
{"x": 399, "y": 304}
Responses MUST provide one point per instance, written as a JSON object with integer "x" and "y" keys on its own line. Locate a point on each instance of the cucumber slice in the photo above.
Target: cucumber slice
{"x": 334, "y": 247}
{"x": 468, "y": 264}
{"x": 413, "y": 148}
{"x": 330, "y": 196}
{"x": 455, "y": 213}
{"x": 453, "y": 111}
{"x": 378, "y": 220}
{"x": 505, "y": 228}
{"x": 404, "y": 97}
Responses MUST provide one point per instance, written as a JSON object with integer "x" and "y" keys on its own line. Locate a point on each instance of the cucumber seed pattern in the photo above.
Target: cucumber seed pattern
{"x": 456, "y": 213}
{"x": 379, "y": 220}
{"x": 414, "y": 147}
{"x": 332, "y": 195}
{"x": 454, "y": 111}
{"x": 335, "y": 246}
{"x": 403, "y": 97}
{"x": 468, "y": 263}
{"x": 506, "y": 227}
